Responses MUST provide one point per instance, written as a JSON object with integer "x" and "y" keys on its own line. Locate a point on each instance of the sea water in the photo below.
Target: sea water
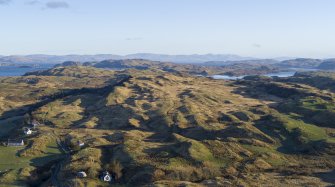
{"x": 8, "y": 71}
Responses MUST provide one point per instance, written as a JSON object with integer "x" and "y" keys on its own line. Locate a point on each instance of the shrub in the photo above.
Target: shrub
{"x": 116, "y": 168}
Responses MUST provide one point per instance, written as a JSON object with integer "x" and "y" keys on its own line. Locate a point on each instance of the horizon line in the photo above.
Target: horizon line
{"x": 167, "y": 54}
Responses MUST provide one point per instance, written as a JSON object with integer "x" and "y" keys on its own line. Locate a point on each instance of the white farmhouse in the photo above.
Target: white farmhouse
{"x": 28, "y": 131}
{"x": 81, "y": 174}
{"x": 106, "y": 176}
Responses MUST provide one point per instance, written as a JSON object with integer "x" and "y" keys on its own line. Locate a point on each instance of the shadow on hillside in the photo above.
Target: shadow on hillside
{"x": 133, "y": 174}
{"x": 173, "y": 149}
{"x": 271, "y": 90}
{"x": 289, "y": 146}
{"x": 160, "y": 137}
{"x": 328, "y": 177}
{"x": 291, "y": 142}
{"x": 117, "y": 117}
{"x": 48, "y": 157}
{"x": 41, "y": 161}
{"x": 253, "y": 90}
{"x": 87, "y": 103}
{"x": 27, "y": 109}
{"x": 321, "y": 117}
{"x": 108, "y": 116}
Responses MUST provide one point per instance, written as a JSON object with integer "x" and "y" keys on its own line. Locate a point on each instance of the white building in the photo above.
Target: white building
{"x": 81, "y": 144}
{"x": 11, "y": 143}
{"x": 28, "y": 131}
{"x": 81, "y": 174}
{"x": 106, "y": 177}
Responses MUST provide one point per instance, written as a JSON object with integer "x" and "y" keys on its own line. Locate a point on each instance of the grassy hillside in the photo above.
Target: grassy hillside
{"x": 320, "y": 79}
{"x": 153, "y": 126}
{"x": 227, "y": 68}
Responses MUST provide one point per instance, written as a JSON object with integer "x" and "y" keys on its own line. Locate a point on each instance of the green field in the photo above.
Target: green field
{"x": 14, "y": 169}
{"x": 10, "y": 160}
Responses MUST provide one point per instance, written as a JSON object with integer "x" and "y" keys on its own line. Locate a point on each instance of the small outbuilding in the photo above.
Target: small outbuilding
{"x": 27, "y": 131}
{"x": 106, "y": 176}
{"x": 12, "y": 143}
{"x": 35, "y": 124}
{"x": 81, "y": 143}
{"x": 81, "y": 174}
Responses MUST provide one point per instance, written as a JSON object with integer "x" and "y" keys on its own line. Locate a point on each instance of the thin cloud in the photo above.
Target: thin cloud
{"x": 33, "y": 2}
{"x": 257, "y": 45}
{"x": 133, "y": 38}
{"x": 4, "y": 2}
{"x": 57, "y": 5}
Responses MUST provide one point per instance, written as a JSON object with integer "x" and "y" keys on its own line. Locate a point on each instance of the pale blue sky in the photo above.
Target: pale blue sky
{"x": 258, "y": 28}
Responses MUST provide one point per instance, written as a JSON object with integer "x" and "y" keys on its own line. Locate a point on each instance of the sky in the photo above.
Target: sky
{"x": 254, "y": 28}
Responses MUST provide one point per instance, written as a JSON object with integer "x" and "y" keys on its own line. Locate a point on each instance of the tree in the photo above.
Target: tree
{"x": 116, "y": 168}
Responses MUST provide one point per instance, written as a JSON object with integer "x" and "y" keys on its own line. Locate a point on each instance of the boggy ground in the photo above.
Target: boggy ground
{"x": 152, "y": 127}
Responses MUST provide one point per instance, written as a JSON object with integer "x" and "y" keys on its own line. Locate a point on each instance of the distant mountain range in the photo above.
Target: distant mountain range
{"x": 249, "y": 61}
{"x": 203, "y": 60}
{"x": 55, "y": 59}
{"x": 304, "y": 63}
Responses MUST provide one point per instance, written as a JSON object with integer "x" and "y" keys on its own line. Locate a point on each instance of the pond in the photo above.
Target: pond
{"x": 278, "y": 74}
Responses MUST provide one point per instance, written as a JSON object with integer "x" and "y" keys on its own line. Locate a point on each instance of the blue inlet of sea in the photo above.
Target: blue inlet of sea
{"x": 9, "y": 71}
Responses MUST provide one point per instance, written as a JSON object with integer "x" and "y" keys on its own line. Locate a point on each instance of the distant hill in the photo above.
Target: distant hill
{"x": 252, "y": 61}
{"x": 195, "y": 58}
{"x": 300, "y": 63}
{"x": 55, "y": 59}
{"x": 68, "y": 63}
{"x": 123, "y": 64}
{"x": 232, "y": 69}
{"x": 327, "y": 65}
{"x": 72, "y": 71}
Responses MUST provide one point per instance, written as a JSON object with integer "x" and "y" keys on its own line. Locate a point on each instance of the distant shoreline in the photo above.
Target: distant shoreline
{"x": 19, "y": 69}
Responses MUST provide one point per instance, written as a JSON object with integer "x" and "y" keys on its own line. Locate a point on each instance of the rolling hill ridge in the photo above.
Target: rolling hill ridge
{"x": 154, "y": 126}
